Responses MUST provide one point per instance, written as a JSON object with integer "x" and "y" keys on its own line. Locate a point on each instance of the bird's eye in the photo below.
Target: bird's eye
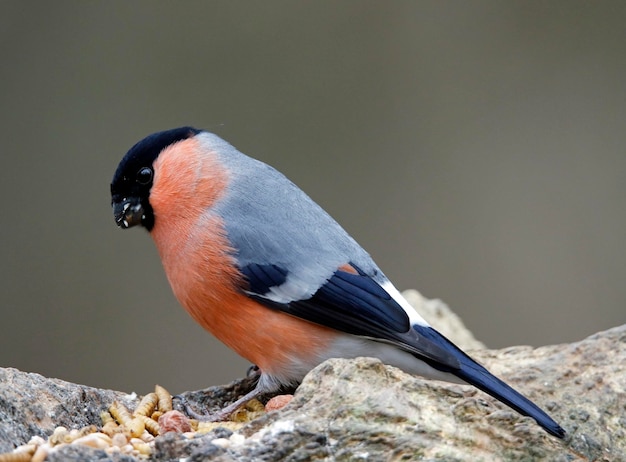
{"x": 144, "y": 175}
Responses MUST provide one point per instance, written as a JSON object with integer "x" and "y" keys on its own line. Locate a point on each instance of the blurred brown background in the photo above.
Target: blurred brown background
{"x": 476, "y": 149}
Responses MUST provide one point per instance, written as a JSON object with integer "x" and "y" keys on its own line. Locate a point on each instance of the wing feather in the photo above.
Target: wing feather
{"x": 353, "y": 303}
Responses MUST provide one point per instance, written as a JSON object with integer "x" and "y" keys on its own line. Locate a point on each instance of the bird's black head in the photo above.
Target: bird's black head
{"x": 130, "y": 188}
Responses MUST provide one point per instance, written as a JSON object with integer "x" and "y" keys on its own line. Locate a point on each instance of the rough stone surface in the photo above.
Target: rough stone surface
{"x": 33, "y": 405}
{"x": 363, "y": 410}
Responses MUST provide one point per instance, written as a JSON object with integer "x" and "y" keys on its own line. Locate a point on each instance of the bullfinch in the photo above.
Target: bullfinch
{"x": 266, "y": 270}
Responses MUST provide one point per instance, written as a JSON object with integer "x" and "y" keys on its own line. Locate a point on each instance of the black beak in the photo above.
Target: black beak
{"x": 128, "y": 212}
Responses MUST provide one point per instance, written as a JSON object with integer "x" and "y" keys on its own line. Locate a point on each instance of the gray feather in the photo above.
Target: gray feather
{"x": 269, "y": 220}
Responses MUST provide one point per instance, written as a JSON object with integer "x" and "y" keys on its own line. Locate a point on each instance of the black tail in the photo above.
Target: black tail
{"x": 475, "y": 374}
{"x": 481, "y": 378}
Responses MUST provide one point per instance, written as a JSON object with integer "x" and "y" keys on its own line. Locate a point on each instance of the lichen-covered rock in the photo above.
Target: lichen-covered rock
{"x": 362, "y": 409}
{"x": 33, "y": 405}
{"x": 73, "y": 453}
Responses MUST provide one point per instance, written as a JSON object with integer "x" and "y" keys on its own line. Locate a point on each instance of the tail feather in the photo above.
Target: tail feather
{"x": 481, "y": 378}
{"x": 476, "y": 375}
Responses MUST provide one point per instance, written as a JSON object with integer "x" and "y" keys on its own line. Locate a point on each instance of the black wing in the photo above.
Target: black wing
{"x": 353, "y": 303}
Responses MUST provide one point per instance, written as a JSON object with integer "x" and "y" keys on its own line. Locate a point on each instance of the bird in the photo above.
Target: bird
{"x": 261, "y": 266}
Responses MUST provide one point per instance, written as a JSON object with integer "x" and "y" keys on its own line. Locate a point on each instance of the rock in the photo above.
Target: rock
{"x": 33, "y": 405}
{"x": 362, "y": 409}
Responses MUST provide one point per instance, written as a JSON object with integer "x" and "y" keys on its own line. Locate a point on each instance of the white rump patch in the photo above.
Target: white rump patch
{"x": 414, "y": 317}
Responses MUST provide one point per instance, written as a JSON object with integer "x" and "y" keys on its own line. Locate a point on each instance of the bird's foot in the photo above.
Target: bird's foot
{"x": 221, "y": 415}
